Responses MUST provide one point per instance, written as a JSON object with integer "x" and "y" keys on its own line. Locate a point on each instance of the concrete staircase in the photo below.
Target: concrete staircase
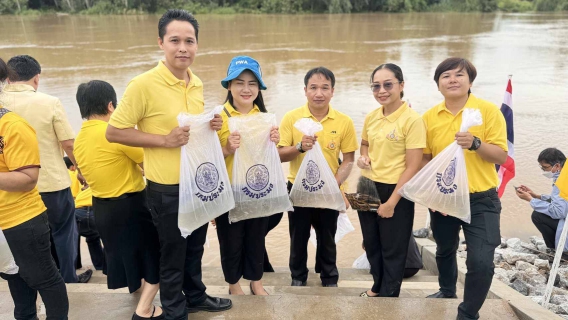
{"x": 95, "y": 301}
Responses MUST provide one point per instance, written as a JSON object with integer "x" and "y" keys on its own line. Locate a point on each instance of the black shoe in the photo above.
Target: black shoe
{"x": 330, "y": 285}
{"x": 211, "y": 304}
{"x": 441, "y": 295}
{"x": 298, "y": 283}
{"x": 160, "y": 317}
{"x": 85, "y": 276}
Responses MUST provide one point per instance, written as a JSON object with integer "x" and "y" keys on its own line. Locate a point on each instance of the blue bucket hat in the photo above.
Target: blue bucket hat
{"x": 238, "y": 65}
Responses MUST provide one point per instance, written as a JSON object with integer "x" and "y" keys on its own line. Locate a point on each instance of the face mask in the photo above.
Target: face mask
{"x": 548, "y": 174}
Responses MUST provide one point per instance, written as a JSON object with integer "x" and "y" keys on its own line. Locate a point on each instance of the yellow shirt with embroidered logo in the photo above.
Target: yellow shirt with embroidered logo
{"x": 389, "y": 138}
{"x": 111, "y": 169}
{"x": 338, "y": 135}
{"x": 19, "y": 149}
{"x": 224, "y": 132}
{"x": 152, "y": 101}
{"x": 442, "y": 127}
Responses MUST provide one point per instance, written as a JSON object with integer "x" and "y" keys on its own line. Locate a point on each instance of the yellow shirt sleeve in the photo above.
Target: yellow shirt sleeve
{"x": 562, "y": 183}
{"x": 286, "y": 131}
{"x": 416, "y": 134}
{"x": 61, "y": 125}
{"x": 134, "y": 153}
{"x": 21, "y": 149}
{"x": 349, "y": 141}
{"x": 131, "y": 109}
{"x": 428, "y": 148}
{"x": 496, "y": 129}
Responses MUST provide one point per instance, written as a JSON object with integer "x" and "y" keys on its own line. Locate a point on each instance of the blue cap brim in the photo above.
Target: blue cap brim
{"x": 236, "y": 73}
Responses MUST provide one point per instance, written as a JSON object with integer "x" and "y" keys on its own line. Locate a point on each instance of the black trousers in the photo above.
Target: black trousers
{"x": 87, "y": 228}
{"x": 31, "y": 248}
{"x": 242, "y": 247}
{"x": 482, "y": 236}
{"x": 386, "y": 242}
{"x": 180, "y": 260}
{"x": 547, "y": 227}
{"x": 61, "y": 214}
{"x": 273, "y": 221}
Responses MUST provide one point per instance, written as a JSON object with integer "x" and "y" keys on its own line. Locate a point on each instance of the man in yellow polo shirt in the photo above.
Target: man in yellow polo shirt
{"x": 23, "y": 220}
{"x": 152, "y": 102}
{"x": 484, "y": 146}
{"x": 338, "y": 136}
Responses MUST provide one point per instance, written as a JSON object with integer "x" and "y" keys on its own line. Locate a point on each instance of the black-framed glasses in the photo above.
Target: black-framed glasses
{"x": 376, "y": 87}
{"x": 545, "y": 168}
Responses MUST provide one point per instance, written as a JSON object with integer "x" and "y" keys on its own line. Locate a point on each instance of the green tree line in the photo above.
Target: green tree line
{"x": 274, "y": 6}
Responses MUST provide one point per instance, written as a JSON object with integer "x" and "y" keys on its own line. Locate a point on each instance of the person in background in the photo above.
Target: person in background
{"x": 75, "y": 184}
{"x": 392, "y": 142}
{"x": 484, "y": 146}
{"x": 549, "y": 210}
{"x": 24, "y": 222}
{"x": 47, "y": 116}
{"x": 122, "y": 217}
{"x": 147, "y": 118}
{"x": 85, "y": 215}
{"x": 338, "y": 136}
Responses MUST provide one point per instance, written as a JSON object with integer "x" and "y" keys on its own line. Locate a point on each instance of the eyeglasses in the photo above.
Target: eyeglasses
{"x": 545, "y": 168}
{"x": 376, "y": 87}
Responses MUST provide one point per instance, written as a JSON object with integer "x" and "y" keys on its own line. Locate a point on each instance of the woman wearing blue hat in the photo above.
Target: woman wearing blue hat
{"x": 242, "y": 243}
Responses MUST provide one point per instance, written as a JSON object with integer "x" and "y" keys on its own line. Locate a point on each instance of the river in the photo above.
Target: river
{"x": 531, "y": 47}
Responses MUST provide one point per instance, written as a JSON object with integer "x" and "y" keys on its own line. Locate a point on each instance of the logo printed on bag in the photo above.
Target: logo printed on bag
{"x": 207, "y": 180}
{"x": 312, "y": 177}
{"x": 445, "y": 180}
{"x": 257, "y": 181}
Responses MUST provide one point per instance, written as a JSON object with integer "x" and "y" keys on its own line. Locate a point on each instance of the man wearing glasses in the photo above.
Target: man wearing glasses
{"x": 550, "y": 211}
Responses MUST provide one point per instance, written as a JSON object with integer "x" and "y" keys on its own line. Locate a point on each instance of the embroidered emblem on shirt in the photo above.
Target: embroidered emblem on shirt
{"x": 391, "y": 136}
{"x": 331, "y": 145}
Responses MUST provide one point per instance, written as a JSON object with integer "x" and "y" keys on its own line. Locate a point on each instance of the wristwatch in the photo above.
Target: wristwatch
{"x": 299, "y": 147}
{"x": 475, "y": 144}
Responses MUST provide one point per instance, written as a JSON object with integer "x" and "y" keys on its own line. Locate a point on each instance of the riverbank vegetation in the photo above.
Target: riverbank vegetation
{"x": 32, "y": 7}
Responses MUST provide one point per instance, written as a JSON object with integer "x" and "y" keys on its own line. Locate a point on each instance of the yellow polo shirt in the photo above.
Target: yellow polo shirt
{"x": 46, "y": 115}
{"x": 224, "y": 132}
{"x": 18, "y": 150}
{"x": 389, "y": 138}
{"x": 338, "y": 134}
{"x": 152, "y": 101}
{"x": 562, "y": 183}
{"x": 84, "y": 198}
{"x": 111, "y": 169}
{"x": 442, "y": 127}
{"x": 75, "y": 184}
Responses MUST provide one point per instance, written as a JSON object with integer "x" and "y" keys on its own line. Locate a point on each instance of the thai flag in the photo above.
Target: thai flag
{"x": 506, "y": 171}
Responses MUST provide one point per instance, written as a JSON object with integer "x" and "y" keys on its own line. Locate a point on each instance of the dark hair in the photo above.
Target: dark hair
{"x": 456, "y": 63}
{"x": 93, "y": 98}
{"x": 394, "y": 69}
{"x": 552, "y": 156}
{"x": 24, "y": 67}
{"x": 324, "y": 72}
{"x": 177, "y": 15}
{"x": 68, "y": 162}
{"x": 4, "y": 71}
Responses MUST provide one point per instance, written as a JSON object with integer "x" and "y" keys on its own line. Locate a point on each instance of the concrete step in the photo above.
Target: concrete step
{"x": 117, "y": 306}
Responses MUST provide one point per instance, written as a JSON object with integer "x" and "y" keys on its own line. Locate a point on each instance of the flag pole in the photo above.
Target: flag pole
{"x": 555, "y": 265}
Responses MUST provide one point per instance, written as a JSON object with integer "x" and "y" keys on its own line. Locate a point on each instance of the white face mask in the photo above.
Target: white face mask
{"x": 548, "y": 174}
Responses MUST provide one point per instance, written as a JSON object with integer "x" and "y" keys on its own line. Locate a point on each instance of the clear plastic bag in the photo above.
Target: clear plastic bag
{"x": 259, "y": 185}
{"x": 344, "y": 226}
{"x": 442, "y": 184}
{"x": 362, "y": 262}
{"x": 204, "y": 189}
{"x": 7, "y": 263}
{"x": 315, "y": 185}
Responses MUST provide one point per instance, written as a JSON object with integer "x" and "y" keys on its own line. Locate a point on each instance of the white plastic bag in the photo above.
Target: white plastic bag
{"x": 204, "y": 189}
{"x": 7, "y": 263}
{"x": 362, "y": 262}
{"x": 344, "y": 227}
{"x": 259, "y": 184}
{"x": 442, "y": 184}
{"x": 315, "y": 185}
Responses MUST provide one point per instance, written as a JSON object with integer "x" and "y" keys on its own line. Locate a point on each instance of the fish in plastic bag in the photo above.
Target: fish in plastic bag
{"x": 315, "y": 185}
{"x": 442, "y": 184}
{"x": 344, "y": 226}
{"x": 259, "y": 185}
{"x": 362, "y": 262}
{"x": 204, "y": 189}
{"x": 7, "y": 263}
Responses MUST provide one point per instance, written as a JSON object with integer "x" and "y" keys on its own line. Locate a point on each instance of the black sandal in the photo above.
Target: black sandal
{"x": 160, "y": 317}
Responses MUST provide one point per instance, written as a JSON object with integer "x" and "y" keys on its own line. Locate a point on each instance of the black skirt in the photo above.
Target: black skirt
{"x": 130, "y": 239}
